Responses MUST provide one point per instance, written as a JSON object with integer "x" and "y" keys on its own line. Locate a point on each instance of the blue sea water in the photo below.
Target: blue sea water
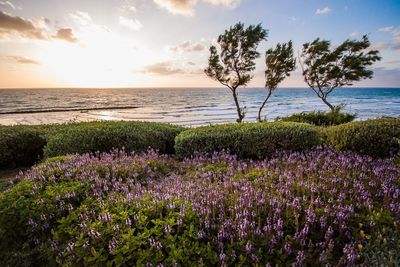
{"x": 184, "y": 106}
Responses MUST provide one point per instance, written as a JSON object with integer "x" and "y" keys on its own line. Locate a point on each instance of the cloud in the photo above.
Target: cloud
{"x": 396, "y": 61}
{"x": 389, "y": 77}
{"x": 13, "y": 25}
{"x": 395, "y": 34}
{"x": 23, "y": 60}
{"x": 379, "y": 46}
{"x": 7, "y": 4}
{"x": 129, "y": 9}
{"x": 386, "y": 29}
{"x": 132, "y": 24}
{"x": 353, "y": 34}
{"x": 162, "y": 68}
{"x": 86, "y": 23}
{"x": 396, "y": 38}
{"x": 188, "y": 46}
{"x": 65, "y": 34}
{"x": 191, "y": 63}
{"x": 42, "y": 23}
{"x": 226, "y": 3}
{"x": 81, "y": 18}
{"x": 178, "y": 7}
{"x": 325, "y": 10}
{"x": 186, "y": 7}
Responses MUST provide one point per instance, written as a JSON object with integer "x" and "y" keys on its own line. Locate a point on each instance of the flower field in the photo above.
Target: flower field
{"x": 318, "y": 207}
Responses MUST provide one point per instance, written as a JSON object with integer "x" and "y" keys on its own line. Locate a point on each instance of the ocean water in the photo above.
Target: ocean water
{"x": 190, "y": 107}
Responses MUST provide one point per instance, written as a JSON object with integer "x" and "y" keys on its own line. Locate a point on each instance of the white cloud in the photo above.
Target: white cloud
{"x": 132, "y": 24}
{"x": 188, "y": 46}
{"x": 178, "y": 7}
{"x": 395, "y": 33}
{"x": 325, "y": 10}
{"x": 396, "y": 38}
{"x": 353, "y": 34}
{"x": 7, "y": 4}
{"x": 42, "y": 23}
{"x": 186, "y": 7}
{"x": 386, "y": 29}
{"x": 86, "y": 23}
{"x": 81, "y": 18}
{"x": 23, "y": 60}
{"x": 226, "y": 3}
{"x": 388, "y": 76}
{"x": 130, "y": 9}
{"x": 379, "y": 46}
{"x": 396, "y": 61}
{"x": 162, "y": 68}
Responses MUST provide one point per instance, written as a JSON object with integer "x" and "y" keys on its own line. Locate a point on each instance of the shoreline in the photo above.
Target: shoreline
{"x": 82, "y": 110}
{"x": 49, "y": 118}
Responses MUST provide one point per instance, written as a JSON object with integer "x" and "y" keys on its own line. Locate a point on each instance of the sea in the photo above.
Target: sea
{"x": 183, "y": 106}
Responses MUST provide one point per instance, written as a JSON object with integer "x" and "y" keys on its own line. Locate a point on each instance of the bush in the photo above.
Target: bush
{"x": 314, "y": 208}
{"x": 25, "y": 145}
{"x": 378, "y": 137}
{"x": 20, "y": 146}
{"x": 320, "y": 118}
{"x": 248, "y": 140}
{"x": 104, "y": 136}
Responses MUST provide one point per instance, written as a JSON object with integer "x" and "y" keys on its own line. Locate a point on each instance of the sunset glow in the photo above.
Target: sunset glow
{"x": 164, "y": 43}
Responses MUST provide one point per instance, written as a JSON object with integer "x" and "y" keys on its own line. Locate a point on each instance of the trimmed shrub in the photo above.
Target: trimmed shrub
{"x": 26, "y": 145}
{"x": 20, "y": 146}
{"x": 248, "y": 140}
{"x": 320, "y": 118}
{"x": 378, "y": 138}
{"x": 105, "y": 136}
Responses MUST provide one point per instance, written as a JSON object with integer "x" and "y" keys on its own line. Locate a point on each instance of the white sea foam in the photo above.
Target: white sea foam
{"x": 191, "y": 107}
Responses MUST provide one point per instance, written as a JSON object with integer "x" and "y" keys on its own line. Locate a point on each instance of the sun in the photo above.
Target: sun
{"x": 99, "y": 59}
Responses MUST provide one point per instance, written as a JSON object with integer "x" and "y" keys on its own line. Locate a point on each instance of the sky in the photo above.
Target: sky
{"x": 165, "y": 43}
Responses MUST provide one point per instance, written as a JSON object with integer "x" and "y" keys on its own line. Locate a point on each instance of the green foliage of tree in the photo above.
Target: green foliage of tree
{"x": 232, "y": 64}
{"x": 280, "y": 62}
{"x": 325, "y": 69}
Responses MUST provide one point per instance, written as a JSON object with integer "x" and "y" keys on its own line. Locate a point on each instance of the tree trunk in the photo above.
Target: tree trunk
{"x": 328, "y": 104}
{"x": 238, "y": 109}
{"x": 263, "y": 104}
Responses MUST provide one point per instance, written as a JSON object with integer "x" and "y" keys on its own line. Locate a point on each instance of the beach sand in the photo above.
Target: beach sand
{"x": 137, "y": 114}
{"x": 71, "y": 116}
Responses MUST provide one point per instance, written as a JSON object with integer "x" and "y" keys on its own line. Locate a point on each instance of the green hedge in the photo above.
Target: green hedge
{"x": 378, "y": 138}
{"x": 20, "y": 146}
{"x": 320, "y": 118}
{"x": 248, "y": 140}
{"x": 25, "y": 145}
{"x": 104, "y": 136}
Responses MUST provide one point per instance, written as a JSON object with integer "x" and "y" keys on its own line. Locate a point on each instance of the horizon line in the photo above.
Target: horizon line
{"x": 192, "y": 87}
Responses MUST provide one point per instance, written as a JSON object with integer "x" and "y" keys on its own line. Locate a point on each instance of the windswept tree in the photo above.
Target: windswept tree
{"x": 325, "y": 69}
{"x": 280, "y": 62}
{"x": 233, "y": 62}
